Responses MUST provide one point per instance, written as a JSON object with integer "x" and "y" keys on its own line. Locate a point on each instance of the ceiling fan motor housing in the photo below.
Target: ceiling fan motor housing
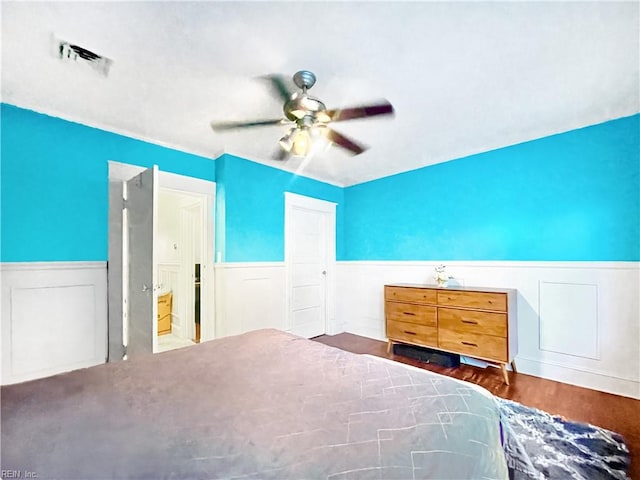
{"x": 301, "y": 105}
{"x": 304, "y": 79}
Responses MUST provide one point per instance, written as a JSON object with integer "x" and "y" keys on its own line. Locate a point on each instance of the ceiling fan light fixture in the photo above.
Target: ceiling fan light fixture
{"x": 305, "y": 141}
{"x": 318, "y": 132}
{"x": 301, "y": 143}
{"x": 319, "y": 140}
{"x": 286, "y": 142}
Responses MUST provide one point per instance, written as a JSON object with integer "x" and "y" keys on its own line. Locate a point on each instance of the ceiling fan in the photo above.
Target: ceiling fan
{"x": 309, "y": 119}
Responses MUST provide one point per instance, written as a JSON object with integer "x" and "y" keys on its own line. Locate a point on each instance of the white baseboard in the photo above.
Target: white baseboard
{"x": 581, "y": 378}
{"x": 598, "y": 347}
{"x": 54, "y": 318}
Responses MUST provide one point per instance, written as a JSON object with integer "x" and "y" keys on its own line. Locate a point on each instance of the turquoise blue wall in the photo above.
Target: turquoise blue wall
{"x": 250, "y": 208}
{"x": 571, "y": 197}
{"x": 54, "y": 184}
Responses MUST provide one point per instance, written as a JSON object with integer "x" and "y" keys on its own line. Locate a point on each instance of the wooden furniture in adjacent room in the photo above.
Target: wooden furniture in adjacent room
{"x": 165, "y": 303}
{"x": 476, "y": 322}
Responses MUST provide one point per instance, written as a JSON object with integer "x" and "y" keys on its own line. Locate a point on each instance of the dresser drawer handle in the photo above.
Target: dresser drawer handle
{"x": 470, "y": 344}
{"x": 470, "y": 322}
{"x": 410, "y": 313}
{"x": 410, "y": 333}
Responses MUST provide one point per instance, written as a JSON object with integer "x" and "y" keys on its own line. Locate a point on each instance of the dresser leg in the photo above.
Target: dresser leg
{"x": 503, "y": 367}
{"x": 513, "y": 366}
{"x": 389, "y": 345}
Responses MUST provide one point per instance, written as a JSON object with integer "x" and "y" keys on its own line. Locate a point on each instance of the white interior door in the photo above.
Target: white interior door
{"x": 141, "y": 203}
{"x": 309, "y": 257}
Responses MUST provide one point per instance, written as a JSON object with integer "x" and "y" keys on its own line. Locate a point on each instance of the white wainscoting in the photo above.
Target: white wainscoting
{"x": 250, "y": 296}
{"x": 54, "y": 318}
{"x": 578, "y": 322}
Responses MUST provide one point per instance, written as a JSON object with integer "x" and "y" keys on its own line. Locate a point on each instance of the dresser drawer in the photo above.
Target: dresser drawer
{"x": 481, "y": 300}
{"x": 473, "y": 321}
{"x": 480, "y": 346}
{"x": 164, "y": 304}
{"x": 409, "y": 294}
{"x": 411, "y": 313}
{"x": 164, "y": 324}
{"x": 412, "y": 333}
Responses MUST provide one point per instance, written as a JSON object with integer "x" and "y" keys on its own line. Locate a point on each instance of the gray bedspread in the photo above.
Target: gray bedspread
{"x": 263, "y": 405}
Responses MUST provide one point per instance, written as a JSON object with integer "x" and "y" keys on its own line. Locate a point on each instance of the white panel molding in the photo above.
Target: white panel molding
{"x": 615, "y": 368}
{"x": 566, "y": 308}
{"x": 54, "y": 318}
{"x": 249, "y": 296}
{"x": 167, "y": 276}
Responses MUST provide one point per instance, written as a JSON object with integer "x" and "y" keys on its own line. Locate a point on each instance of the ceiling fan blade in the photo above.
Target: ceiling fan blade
{"x": 344, "y": 142}
{"x": 341, "y": 114}
{"x": 280, "y": 86}
{"x": 221, "y": 126}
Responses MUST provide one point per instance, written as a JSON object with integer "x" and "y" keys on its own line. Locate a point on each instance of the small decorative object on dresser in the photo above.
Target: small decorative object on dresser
{"x": 441, "y": 276}
{"x": 471, "y": 321}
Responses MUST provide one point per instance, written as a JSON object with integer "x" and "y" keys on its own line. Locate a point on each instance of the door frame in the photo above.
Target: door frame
{"x": 328, "y": 211}
{"x": 121, "y": 172}
{"x": 194, "y": 207}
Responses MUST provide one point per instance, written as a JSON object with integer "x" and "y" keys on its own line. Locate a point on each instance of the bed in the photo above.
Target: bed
{"x": 262, "y": 405}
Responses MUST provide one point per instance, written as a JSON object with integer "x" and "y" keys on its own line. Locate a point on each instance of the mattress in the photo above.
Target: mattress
{"x": 262, "y": 405}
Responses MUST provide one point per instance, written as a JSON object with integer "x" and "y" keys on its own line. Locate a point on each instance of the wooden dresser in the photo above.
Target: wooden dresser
{"x": 165, "y": 306}
{"x": 476, "y": 322}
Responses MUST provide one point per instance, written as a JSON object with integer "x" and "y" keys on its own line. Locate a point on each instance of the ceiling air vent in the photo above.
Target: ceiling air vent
{"x": 68, "y": 52}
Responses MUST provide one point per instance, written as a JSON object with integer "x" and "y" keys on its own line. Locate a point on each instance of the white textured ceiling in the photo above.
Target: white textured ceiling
{"x": 463, "y": 77}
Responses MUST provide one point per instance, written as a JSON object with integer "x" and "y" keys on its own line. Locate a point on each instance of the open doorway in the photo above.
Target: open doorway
{"x": 179, "y": 257}
{"x": 177, "y": 294}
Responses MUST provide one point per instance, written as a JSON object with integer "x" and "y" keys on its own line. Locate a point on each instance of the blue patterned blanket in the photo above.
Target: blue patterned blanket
{"x": 541, "y": 446}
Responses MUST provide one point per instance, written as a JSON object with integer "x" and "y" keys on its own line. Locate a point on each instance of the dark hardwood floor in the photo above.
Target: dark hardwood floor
{"x": 613, "y": 412}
